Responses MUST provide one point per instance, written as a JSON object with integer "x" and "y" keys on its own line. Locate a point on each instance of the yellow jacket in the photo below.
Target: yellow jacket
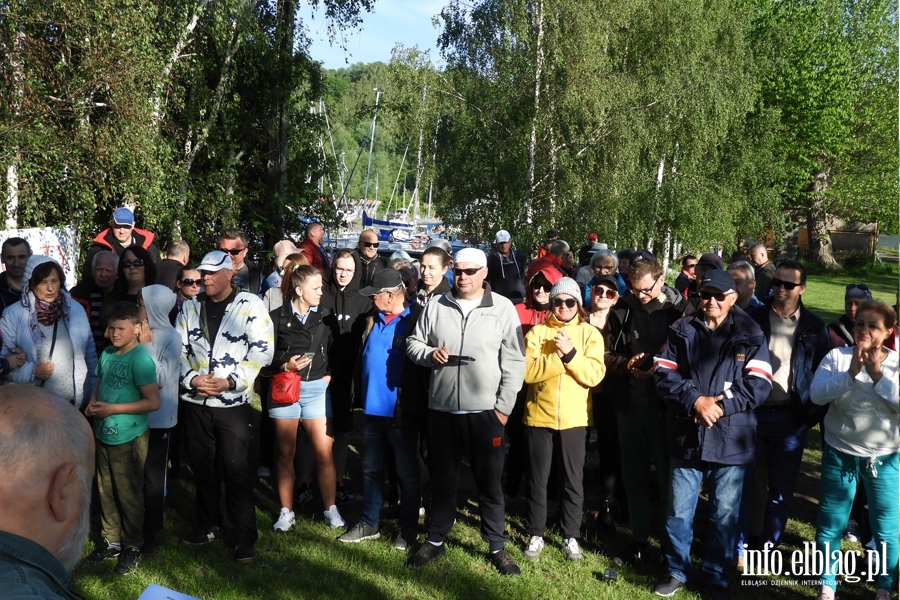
{"x": 559, "y": 394}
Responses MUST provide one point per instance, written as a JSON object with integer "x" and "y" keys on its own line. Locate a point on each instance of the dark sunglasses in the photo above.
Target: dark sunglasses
{"x": 469, "y": 272}
{"x": 605, "y": 292}
{"x": 788, "y": 285}
{"x": 541, "y": 286}
{"x": 127, "y": 264}
{"x": 720, "y": 297}
{"x": 855, "y": 286}
{"x": 569, "y": 302}
{"x": 190, "y": 282}
{"x": 370, "y": 244}
{"x": 234, "y": 251}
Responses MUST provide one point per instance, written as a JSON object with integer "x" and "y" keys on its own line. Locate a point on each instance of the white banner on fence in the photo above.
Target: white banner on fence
{"x": 59, "y": 243}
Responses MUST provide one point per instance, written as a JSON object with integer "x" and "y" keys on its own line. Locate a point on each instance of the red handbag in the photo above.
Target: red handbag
{"x": 285, "y": 387}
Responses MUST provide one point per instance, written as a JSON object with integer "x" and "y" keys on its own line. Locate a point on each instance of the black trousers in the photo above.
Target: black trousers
{"x": 266, "y": 425}
{"x": 571, "y": 498}
{"x": 517, "y": 458}
{"x": 610, "y": 471}
{"x": 222, "y": 436}
{"x": 155, "y": 469}
{"x": 479, "y": 437}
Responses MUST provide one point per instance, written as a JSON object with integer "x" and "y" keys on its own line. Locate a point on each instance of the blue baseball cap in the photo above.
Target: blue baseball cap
{"x": 123, "y": 216}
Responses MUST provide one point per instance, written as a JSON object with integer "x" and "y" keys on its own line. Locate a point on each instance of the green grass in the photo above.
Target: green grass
{"x": 824, "y": 293}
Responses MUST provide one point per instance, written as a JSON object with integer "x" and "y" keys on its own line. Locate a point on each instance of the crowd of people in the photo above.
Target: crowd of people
{"x": 477, "y": 359}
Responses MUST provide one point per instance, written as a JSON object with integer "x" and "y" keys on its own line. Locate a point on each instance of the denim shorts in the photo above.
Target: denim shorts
{"x": 314, "y": 403}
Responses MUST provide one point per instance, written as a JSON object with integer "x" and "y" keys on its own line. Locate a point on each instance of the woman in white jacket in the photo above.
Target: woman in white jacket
{"x": 860, "y": 385}
{"x": 54, "y": 334}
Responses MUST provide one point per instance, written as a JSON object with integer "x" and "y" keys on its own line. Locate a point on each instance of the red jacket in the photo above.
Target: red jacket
{"x": 311, "y": 251}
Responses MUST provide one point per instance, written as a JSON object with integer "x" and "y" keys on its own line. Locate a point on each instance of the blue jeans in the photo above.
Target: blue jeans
{"x": 837, "y": 487}
{"x": 780, "y": 440}
{"x": 377, "y": 432}
{"x": 724, "y": 483}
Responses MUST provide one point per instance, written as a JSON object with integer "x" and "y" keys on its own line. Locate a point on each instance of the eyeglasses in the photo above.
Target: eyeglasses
{"x": 606, "y": 268}
{"x": 233, "y": 251}
{"x": 788, "y": 285}
{"x": 720, "y": 297}
{"x": 852, "y": 286}
{"x": 648, "y": 291}
{"x": 469, "y": 272}
{"x": 190, "y": 282}
{"x": 605, "y": 292}
{"x": 136, "y": 263}
{"x": 569, "y": 302}
{"x": 538, "y": 286}
{"x": 370, "y": 244}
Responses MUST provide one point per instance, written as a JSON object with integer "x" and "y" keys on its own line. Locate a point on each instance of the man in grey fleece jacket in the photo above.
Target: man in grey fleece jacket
{"x": 472, "y": 339}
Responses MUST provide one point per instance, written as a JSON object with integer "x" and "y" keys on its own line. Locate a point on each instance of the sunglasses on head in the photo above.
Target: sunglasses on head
{"x": 605, "y": 292}
{"x": 370, "y": 244}
{"x": 233, "y": 251}
{"x": 537, "y": 286}
{"x": 788, "y": 285}
{"x": 190, "y": 282}
{"x": 569, "y": 302}
{"x": 856, "y": 286}
{"x": 469, "y": 272}
{"x": 132, "y": 263}
{"x": 719, "y": 296}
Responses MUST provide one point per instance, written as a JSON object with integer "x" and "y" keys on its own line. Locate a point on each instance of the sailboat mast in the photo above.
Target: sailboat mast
{"x": 372, "y": 141}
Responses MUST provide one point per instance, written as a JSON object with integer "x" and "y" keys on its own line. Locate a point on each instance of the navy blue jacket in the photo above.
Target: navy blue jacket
{"x": 742, "y": 374}
{"x": 810, "y": 347}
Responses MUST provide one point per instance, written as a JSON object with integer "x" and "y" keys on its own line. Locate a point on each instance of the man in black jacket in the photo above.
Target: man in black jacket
{"x": 638, "y": 328}
{"x": 368, "y": 262}
{"x": 506, "y": 269}
{"x": 797, "y": 342}
{"x": 14, "y": 255}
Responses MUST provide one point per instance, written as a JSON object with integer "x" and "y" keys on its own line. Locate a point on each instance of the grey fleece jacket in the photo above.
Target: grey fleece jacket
{"x": 166, "y": 352}
{"x": 491, "y": 335}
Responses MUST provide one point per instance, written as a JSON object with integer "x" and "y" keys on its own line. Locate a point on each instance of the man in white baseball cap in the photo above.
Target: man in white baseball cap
{"x": 472, "y": 339}
{"x": 506, "y": 268}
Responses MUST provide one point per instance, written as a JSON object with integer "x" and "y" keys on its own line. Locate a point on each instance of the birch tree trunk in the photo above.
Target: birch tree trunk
{"x": 17, "y": 66}
{"x": 528, "y": 205}
{"x": 183, "y": 40}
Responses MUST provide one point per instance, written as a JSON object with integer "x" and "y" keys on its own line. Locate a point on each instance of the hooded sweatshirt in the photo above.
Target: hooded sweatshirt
{"x": 165, "y": 348}
{"x": 20, "y": 328}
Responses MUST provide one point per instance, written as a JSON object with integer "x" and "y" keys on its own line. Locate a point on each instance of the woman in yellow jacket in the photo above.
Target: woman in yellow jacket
{"x": 563, "y": 361}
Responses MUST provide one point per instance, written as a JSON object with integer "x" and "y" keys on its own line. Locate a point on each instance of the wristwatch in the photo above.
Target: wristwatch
{"x": 231, "y": 384}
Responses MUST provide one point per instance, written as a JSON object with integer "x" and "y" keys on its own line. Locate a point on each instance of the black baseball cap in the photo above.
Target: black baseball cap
{"x": 384, "y": 279}
{"x": 719, "y": 280}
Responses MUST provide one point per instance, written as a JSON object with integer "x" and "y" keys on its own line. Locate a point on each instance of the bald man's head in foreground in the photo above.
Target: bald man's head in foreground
{"x": 46, "y": 467}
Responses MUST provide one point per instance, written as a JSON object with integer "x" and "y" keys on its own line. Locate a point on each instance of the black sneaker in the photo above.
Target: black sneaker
{"x": 505, "y": 563}
{"x": 343, "y": 494}
{"x": 101, "y": 554}
{"x": 667, "y": 586}
{"x": 128, "y": 561}
{"x": 244, "y": 553}
{"x": 635, "y": 554}
{"x": 426, "y": 553}
{"x": 203, "y": 536}
{"x": 606, "y": 519}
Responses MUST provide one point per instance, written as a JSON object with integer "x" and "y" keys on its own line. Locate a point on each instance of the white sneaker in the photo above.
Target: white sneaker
{"x": 285, "y": 521}
{"x": 333, "y": 518}
{"x": 852, "y": 531}
{"x": 535, "y": 547}
{"x": 571, "y": 549}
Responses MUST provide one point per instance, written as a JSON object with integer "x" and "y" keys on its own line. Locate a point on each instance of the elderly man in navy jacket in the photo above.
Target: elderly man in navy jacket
{"x": 714, "y": 371}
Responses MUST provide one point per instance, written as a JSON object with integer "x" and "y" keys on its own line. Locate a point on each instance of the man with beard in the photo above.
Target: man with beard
{"x": 47, "y": 461}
